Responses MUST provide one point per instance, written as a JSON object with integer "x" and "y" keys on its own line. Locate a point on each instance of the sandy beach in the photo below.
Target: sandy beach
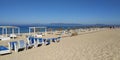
{"x": 100, "y": 45}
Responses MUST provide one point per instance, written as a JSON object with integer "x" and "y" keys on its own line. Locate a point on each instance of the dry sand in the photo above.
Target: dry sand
{"x": 102, "y": 45}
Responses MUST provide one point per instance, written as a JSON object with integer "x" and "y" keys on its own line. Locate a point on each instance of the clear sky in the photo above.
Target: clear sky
{"x": 60, "y": 11}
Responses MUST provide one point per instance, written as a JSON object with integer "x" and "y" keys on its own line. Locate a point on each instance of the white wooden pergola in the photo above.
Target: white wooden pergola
{"x": 35, "y": 28}
{"x": 5, "y": 30}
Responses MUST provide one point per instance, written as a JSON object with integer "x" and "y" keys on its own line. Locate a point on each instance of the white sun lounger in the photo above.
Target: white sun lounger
{"x": 13, "y": 45}
{"x": 31, "y": 42}
{"x": 4, "y": 50}
{"x": 54, "y": 39}
{"x": 58, "y": 39}
{"x": 40, "y": 41}
{"x": 17, "y": 45}
{"x": 21, "y": 45}
{"x": 2, "y": 38}
{"x": 13, "y": 35}
{"x": 47, "y": 42}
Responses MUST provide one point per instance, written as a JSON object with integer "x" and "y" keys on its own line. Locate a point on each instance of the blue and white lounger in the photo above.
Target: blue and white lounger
{"x": 21, "y": 45}
{"x": 13, "y": 45}
{"x": 4, "y": 50}
{"x": 31, "y": 42}
{"x": 54, "y": 39}
{"x": 58, "y": 39}
{"x": 40, "y": 41}
{"x": 17, "y": 45}
{"x": 47, "y": 41}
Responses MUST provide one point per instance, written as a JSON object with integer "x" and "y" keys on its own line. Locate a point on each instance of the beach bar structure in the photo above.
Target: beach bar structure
{"x": 37, "y": 29}
{"x": 5, "y": 32}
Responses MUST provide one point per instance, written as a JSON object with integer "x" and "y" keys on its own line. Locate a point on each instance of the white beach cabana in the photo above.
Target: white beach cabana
{"x": 36, "y": 31}
{"x": 5, "y": 36}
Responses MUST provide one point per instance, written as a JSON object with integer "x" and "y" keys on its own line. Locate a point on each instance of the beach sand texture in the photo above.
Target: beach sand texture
{"x": 102, "y": 45}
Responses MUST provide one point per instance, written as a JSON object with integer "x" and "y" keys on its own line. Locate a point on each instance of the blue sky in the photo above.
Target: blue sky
{"x": 60, "y": 11}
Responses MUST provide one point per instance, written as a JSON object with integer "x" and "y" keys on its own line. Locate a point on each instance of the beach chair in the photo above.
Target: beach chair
{"x": 13, "y": 36}
{"x": 21, "y": 45}
{"x": 40, "y": 41}
{"x": 47, "y": 41}
{"x": 4, "y": 50}
{"x": 17, "y": 45}
{"x": 44, "y": 40}
{"x": 2, "y": 38}
{"x": 38, "y": 35}
{"x": 31, "y": 42}
{"x": 54, "y": 39}
{"x": 13, "y": 46}
{"x": 35, "y": 42}
{"x": 58, "y": 39}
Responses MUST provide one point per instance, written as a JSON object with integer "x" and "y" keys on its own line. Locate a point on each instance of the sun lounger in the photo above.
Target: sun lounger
{"x": 13, "y": 45}
{"x": 58, "y": 39}
{"x": 47, "y": 41}
{"x": 31, "y": 42}
{"x": 21, "y": 45}
{"x": 54, "y": 39}
{"x": 2, "y": 38}
{"x": 40, "y": 41}
{"x": 17, "y": 45}
{"x": 4, "y": 50}
{"x": 13, "y": 35}
{"x": 38, "y": 35}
